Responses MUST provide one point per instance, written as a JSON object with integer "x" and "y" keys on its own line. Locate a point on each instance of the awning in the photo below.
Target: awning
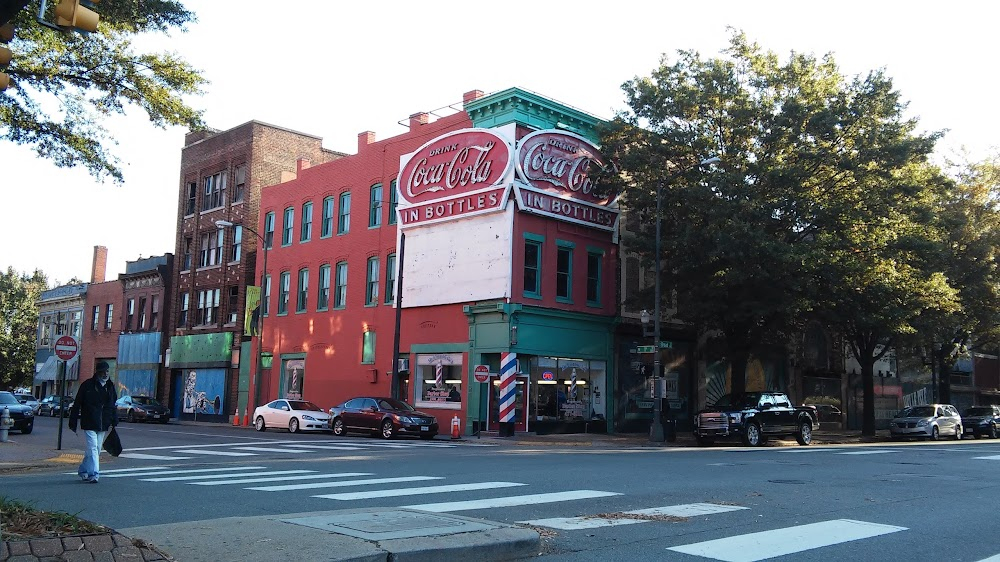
{"x": 50, "y": 370}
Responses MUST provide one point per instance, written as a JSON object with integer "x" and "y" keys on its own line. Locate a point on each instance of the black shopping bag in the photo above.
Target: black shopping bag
{"x": 112, "y": 444}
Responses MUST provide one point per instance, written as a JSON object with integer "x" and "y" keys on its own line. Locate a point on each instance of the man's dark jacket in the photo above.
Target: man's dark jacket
{"x": 94, "y": 406}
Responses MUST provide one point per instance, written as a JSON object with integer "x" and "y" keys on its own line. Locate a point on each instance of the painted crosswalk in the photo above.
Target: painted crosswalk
{"x": 634, "y": 516}
{"x": 275, "y": 447}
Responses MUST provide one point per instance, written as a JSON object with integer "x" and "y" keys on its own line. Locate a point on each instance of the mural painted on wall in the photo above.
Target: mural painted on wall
{"x": 203, "y": 391}
{"x": 760, "y": 377}
{"x": 136, "y": 383}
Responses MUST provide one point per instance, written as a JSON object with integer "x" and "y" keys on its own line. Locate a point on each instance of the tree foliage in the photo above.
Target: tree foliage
{"x": 19, "y": 294}
{"x": 65, "y": 84}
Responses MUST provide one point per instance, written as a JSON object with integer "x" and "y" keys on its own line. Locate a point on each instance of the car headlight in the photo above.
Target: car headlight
{"x": 404, "y": 419}
{"x": 735, "y": 418}
{"x": 923, "y": 423}
{"x": 29, "y": 414}
{"x": 308, "y": 417}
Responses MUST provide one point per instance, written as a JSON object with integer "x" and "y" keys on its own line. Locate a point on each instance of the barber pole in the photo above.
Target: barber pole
{"x": 508, "y": 386}
{"x": 439, "y": 376}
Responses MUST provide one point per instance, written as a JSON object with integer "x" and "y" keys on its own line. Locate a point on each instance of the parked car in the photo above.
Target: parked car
{"x": 295, "y": 415}
{"x": 827, "y": 412}
{"x": 53, "y": 405}
{"x": 141, "y": 408}
{"x": 753, "y": 417}
{"x": 22, "y": 414}
{"x": 981, "y": 421}
{"x": 927, "y": 421}
{"x": 28, "y": 400}
{"x": 387, "y": 416}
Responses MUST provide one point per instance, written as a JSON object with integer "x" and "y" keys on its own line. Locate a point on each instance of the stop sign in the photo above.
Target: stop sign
{"x": 482, "y": 373}
{"x": 66, "y": 347}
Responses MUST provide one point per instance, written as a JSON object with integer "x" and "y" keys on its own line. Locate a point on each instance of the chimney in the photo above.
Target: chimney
{"x": 365, "y": 138}
{"x": 418, "y": 119}
{"x": 100, "y": 267}
{"x": 472, "y": 96}
{"x": 303, "y": 164}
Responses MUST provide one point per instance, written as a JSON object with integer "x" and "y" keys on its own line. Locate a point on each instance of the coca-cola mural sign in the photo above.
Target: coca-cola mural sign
{"x": 561, "y": 164}
{"x": 453, "y": 165}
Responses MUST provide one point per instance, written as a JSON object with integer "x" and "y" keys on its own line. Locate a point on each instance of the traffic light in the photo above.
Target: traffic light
{"x": 6, "y": 34}
{"x": 77, "y": 13}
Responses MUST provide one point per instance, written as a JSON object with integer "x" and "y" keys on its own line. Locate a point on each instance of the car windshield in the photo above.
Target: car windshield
{"x": 145, "y": 400}
{"x": 8, "y": 398}
{"x": 748, "y": 400}
{"x": 979, "y": 412}
{"x": 304, "y": 405}
{"x": 393, "y": 404}
{"x": 916, "y": 412}
{"x": 28, "y": 397}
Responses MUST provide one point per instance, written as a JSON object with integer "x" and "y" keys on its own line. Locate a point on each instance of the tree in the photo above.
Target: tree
{"x": 65, "y": 84}
{"x": 19, "y": 296}
{"x": 807, "y": 156}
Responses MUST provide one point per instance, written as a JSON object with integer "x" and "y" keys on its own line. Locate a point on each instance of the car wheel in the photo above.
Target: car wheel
{"x": 805, "y": 434}
{"x": 388, "y": 431}
{"x": 338, "y": 427}
{"x": 993, "y": 432}
{"x": 258, "y": 423}
{"x": 752, "y": 437}
{"x": 935, "y": 434}
{"x": 130, "y": 417}
{"x": 52, "y": 413}
{"x": 27, "y": 429}
{"x": 293, "y": 425}
{"x": 958, "y": 432}
{"x": 703, "y": 441}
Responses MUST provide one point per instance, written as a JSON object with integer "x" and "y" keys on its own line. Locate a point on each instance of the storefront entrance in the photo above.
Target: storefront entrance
{"x": 520, "y": 408}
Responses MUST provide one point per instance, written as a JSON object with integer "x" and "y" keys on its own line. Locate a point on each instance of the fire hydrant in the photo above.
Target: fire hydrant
{"x": 6, "y": 422}
{"x": 456, "y": 427}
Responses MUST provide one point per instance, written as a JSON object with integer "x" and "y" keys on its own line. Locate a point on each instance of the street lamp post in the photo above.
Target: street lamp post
{"x": 260, "y": 318}
{"x": 656, "y": 427}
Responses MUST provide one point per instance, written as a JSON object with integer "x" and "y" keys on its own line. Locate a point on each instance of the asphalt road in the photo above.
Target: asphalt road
{"x": 902, "y": 501}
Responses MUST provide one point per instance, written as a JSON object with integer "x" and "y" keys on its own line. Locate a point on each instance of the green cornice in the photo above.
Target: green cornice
{"x": 515, "y": 105}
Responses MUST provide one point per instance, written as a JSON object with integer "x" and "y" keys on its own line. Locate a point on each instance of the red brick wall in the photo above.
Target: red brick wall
{"x": 100, "y": 343}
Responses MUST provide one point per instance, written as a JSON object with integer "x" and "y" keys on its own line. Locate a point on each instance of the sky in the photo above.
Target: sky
{"x": 334, "y": 70}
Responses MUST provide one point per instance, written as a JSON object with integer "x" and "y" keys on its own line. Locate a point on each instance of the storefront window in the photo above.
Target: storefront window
{"x": 293, "y": 376}
{"x": 567, "y": 389}
{"x": 439, "y": 377}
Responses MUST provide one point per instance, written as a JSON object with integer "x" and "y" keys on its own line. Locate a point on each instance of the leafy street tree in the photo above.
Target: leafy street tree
{"x": 64, "y": 84}
{"x": 19, "y": 294}
{"x": 821, "y": 181}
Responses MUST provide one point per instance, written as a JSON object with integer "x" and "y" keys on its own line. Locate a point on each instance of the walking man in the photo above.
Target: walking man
{"x": 95, "y": 409}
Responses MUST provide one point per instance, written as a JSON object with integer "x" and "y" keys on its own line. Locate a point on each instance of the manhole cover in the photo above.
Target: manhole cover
{"x": 384, "y": 524}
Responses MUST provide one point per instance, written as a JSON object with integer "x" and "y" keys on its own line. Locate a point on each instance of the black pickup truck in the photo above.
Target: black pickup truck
{"x": 753, "y": 417}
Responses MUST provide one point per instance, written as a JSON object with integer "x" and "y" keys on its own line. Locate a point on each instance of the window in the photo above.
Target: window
{"x": 564, "y": 272}
{"x": 129, "y": 314}
{"x": 303, "y": 298}
{"x": 594, "y": 259}
{"x": 95, "y": 320}
{"x": 390, "y": 278}
{"x": 233, "y": 304}
{"x": 393, "y": 201}
{"x": 326, "y": 228}
{"x": 76, "y": 323}
{"x": 142, "y": 314}
{"x": 368, "y": 348}
{"x": 265, "y": 307}
{"x": 533, "y": 267}
{"x": 192, "y": 197}
{"x": 240, "y": 183}
{"x": 269, "y": 230}
{"x": 109, "y": 312}
{"x": 182, "y": 318}
{"x": 154, "y": 313}
{"x": 286, "y": 226}
{"x": 237, "y": 250}
{"x": 375, "y": 207}
{"x": 439, "y": 377}
{"x": 323, "y": 292}
{"x": 371, "y": 287}
{"x": 187, "y": 254}
{"x": 283, "y": 287}
{"x": 340, "y": 286}
{"x": 208, "y": 306}
{"x": 211, "y": 248}
{"x": 215, "y": 191}
{"x": 344, "y": 218}
{"x": 306, "y": 229}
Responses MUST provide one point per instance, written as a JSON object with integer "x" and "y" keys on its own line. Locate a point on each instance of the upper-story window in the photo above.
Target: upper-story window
{"x": 393, "y": 201}
{"x": 240, "y": 183}
{"x": 108, "y": 315}
{"x": 95, "y": 321}
{"x": 326, "y": 228}
{"x": 284, "y": 282}
{"x": 186, "y": 264}
{"x": 129, "y": 314}
{"x": 76, "y": 323}
{"x": 564, "y": 271}
{"x": 215, "y": 191}
{"x": 142, "y": 314}
{"x": 154, "y": 313}
{"x": 390, "y": 278}
{"x": 208, "y": 306}
{"x": 233, "y": 304}
{"x": 533, "y": 266}
{"x": 323, "y": 289}
{"x": 269, "y": 230}
{"x": 306, "y": 229}
{"x": 287, "y": 225}
{"x": 265, "y": 301}
{"x": 303, "y": 297}
{"x": 371, "y": 287}
{"x": 211, "y": 248}
{"x": 344, "y": 217}
{"x": 375, "y": 206}
{"x": 594, "y": 259}
{"x": 340, "y": 285}
{"x": 192, "y": 198}
{"x": 237, "y": 250}
{"x": 182, "y": 316}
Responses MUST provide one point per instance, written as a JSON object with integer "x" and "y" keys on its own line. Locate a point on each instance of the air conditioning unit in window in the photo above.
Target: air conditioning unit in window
{"x": 403, "y": 364}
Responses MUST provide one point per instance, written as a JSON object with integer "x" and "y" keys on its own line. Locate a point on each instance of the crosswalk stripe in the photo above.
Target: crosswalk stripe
{"x": 419, "y": 491}
{"x": 330, "y": 447}
{"x": 138, "y": 469}
{"x": 219, "y": 453}
{"x": 162, "y": 471}
{"x": 989, "y": 458}
{"x": 367, "y": 482}
{"x": 217, "y": 476}
{"x": 511, "y": 501}
{"x": 282, "y": 478}
{"x": 148, "y": 457}
{"x": 684, "y": 510}
{"x": 875, "y": 452}
{"x": 789, "y": 540}
{"x": 805, "y": 449}
{"x": 272, "y": 449}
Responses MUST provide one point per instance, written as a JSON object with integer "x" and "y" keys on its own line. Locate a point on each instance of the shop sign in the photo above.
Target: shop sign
{"x": 456, "y": 174}
{"x": 548, "y": 376}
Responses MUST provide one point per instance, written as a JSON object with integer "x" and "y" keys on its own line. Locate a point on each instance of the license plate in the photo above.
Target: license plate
{"x": 425, "y": 428}
{"x": 156, "y": 416}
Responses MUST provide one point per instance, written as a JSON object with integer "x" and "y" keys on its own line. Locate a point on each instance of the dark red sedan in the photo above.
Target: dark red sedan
{"x": 388, "y": 417}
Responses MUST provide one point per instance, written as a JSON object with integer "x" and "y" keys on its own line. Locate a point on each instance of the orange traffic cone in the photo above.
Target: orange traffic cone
{"x": 246, "y": 417}
{"x": 455, "y": 427}
{"x": 236, "y": 417}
